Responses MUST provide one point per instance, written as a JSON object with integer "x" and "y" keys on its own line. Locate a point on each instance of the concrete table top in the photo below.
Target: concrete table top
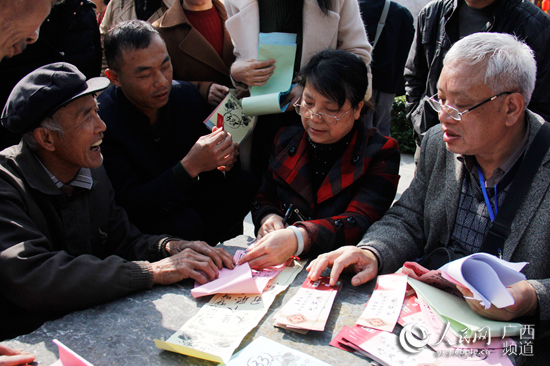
{"x": 121, "y": 332}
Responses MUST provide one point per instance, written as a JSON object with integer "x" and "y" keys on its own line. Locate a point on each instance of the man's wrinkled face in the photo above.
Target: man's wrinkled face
{"x": 481, "y": 131}
{"x": 145, "y": 76}
{"x": 79, "y": 145}
{"x": 19, "y": 24}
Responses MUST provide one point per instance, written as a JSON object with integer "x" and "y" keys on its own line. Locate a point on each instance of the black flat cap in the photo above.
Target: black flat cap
{"x": 42, "y": 92}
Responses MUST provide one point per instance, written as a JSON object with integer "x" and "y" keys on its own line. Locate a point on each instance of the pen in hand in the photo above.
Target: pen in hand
{"x": 287, "y": 214}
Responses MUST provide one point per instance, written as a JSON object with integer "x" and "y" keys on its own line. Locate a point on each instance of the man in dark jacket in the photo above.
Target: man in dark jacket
{"x": 441, "y": 23}
{"x": 64, "y": 244}
{"x": 388, "y": 57}
{"x": 169, "y": 173}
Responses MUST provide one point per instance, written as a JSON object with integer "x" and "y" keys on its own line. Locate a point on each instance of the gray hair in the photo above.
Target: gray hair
{"x": 50, "y": 123}
{"x": 509, "y": 63}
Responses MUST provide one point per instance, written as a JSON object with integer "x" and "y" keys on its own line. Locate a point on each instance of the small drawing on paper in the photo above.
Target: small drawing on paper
{"x": 375, "y": 322}
{"x": 296, "y": 318}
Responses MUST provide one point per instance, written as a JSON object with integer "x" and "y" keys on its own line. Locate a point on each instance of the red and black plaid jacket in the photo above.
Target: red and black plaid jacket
{"x": 356, "y": 192}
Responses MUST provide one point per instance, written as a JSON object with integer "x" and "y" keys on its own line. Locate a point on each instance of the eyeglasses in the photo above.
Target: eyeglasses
{"x": 327, "y": 119}
{"x": 452, "y": 111}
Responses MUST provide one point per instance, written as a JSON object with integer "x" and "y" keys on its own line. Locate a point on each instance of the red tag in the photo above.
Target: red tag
{"x": 220, "y": 121}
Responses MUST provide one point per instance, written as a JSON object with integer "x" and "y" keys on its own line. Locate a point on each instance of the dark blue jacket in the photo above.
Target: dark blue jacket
{"x": 437, "y": 30}
{"x": 143, "y": 163}
{"x": 391, "y": 51}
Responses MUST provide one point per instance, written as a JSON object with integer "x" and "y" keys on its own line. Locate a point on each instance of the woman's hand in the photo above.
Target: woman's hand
{"x": 252, "y": 72}
{"x": 273, "y": 249}
{"x": 270, "y": 223}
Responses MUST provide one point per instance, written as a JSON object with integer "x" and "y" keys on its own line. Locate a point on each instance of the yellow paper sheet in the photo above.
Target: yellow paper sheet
{"x": 220, "y": 325}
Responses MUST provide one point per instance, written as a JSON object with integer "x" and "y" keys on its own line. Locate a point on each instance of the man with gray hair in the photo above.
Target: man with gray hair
{"x": 64, "y": 244}
{"x": 485, "y": 134}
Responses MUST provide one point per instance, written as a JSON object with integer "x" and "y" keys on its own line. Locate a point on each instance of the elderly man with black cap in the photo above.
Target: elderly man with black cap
{"x": 64, "y": 244}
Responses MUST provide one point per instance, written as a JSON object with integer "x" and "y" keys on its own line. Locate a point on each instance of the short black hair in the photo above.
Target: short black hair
{"x": 337, "y": 75}
{"x": 130, "y": 35}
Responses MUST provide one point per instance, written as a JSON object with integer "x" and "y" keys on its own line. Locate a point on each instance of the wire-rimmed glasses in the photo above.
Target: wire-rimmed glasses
{"x": 452, "y": 111}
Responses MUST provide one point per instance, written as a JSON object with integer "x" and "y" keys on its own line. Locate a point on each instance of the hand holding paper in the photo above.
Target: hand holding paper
{"x": 486, "y": 276}
{"x": 209, "y": 152}
{"x": 525, "y": 302}
{"x": 240, "y": 280}
{"x": 253, "y": 72}
{"x": 273, "y": 249}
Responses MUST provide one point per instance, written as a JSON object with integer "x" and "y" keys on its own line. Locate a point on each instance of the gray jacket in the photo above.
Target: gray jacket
{"x": 424, "y": 218}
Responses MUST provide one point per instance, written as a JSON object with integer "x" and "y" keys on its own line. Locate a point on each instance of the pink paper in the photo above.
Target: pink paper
{"x": 435, "y": 278}
{"x": 241, "y": 280}
{"x": 68, "y": 357}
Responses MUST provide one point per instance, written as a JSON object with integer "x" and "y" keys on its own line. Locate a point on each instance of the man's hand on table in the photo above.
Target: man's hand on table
{"x": 219, "y": 255}
{"x": 12, "y": 357}
{"x": 190, "y": 259}
{"x": 525, "y": 303}
{"x": 349, "y": 259}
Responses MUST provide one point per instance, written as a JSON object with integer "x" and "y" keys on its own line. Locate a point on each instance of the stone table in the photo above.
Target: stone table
{"x": 121, "y": 332}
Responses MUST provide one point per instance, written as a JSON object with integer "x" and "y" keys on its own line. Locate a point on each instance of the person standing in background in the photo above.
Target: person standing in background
{"x": 388, "y": 57}
{"x": 443, "y": 22}
{"x": 318, "y": 24}
{"x": 199, "y": 45}
{"x": 119, "y": 11}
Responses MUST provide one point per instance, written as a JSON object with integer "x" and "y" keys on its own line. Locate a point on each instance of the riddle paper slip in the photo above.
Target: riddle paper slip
{"x": 265, "y": 352}
{"x": 309, "y": 308}
{"x": 384, "y": 306}
{"x": 230, "y": 116}
{"x": 220, "y": 325}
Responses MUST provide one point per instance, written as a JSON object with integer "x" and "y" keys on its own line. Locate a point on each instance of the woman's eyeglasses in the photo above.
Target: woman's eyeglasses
{"x": 328, "y": 119}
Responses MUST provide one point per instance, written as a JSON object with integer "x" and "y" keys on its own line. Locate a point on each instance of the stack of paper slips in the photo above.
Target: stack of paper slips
{"x": 310, "y": 308}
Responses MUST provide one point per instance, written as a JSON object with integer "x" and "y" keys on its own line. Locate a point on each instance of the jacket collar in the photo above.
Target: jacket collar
{"x": 245, "y": 26}
{"x": 291, "y": 163}
{"x": 175, "y": 16}
{"x": 536, "y": 194}
{"x": 33, "y": 172}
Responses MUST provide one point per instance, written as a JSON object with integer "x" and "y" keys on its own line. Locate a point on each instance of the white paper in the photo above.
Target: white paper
{"x": 487, "y": 277}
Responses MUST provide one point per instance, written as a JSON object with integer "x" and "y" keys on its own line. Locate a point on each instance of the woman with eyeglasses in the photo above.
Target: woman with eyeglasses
{"x": 318, "y": 25}
{"x": 328, "y": 179}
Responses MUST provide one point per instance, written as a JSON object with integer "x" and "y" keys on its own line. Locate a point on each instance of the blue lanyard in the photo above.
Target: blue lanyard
{"x": 484, "y": 190}
{"x": 487, "y": 202}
